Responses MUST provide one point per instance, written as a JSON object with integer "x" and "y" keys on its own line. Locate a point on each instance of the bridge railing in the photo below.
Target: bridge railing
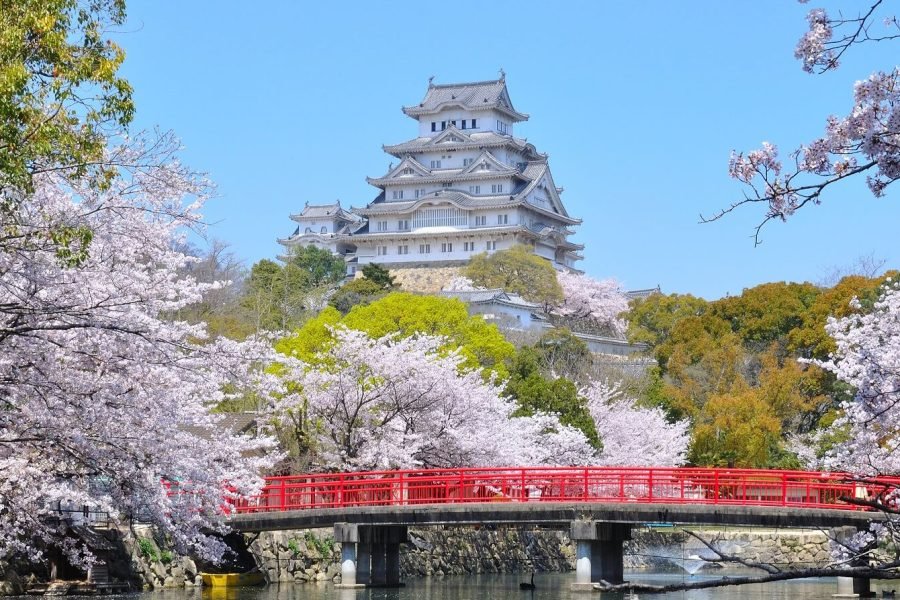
{"x": 750, "y": 487}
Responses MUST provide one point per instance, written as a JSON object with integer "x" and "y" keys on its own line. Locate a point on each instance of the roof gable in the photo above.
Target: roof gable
{"x": 409, "y": 168}
{"x": 486, "y": 162}
{"x": 476, "y": 95}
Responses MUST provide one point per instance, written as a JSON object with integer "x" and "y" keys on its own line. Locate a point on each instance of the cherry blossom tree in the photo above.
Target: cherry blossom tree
{"x": 865, "y": 141}
{"x": 631, "y": 435}
{"x": 396, "y": 402}
{"x": 103, "y": 396}
{"x": 599, "y": 302}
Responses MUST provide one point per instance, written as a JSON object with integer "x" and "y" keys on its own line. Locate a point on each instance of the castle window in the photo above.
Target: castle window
{"x": 435, "y": 164}
{"x": 398, "y": 194}
{"x": 497, "y": 188}
{"x": 382, "y": 250}
{"x": 502, "y": 219}
{"x": 445, "y": 184}
{"x": 403, "y": 225}
{"x": 468, "y": 161}
{"x": 433, "y": 126}
{"x": 424, "y": 248}
{"x": 420, "y": 193}
{"x": 382, "y": 225}
{"x": 308, "y": 230}
{"x": 447, "y": 247}
{"x": 468, "y": 246}
{"x": 443, "y": 125}
{"x": 464, "y": 124}
{"x": 474, "y": 189}
{"x": 402, "y": 249}
{"x": 474, "y": 126}
{"x": 324, "y": 229}
{"x": 491, "y": 245}
{"x": 453, "y": 123}
{"x": 480, "y": 220}
{"x": 502, "y": 127}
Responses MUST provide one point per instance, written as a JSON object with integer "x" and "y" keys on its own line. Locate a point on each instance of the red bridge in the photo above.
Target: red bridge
{"x": 645, "y": 485}
{"x": 370, "y": 511}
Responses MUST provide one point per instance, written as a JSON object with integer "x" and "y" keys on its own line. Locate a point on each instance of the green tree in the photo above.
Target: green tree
{"x": 61, "y": 97}
{"x": 321, "y": 266}
{"x": 481, "y": 344}
{"x": 378, "y": 275}
{"x": 559, "y": 353}
{"x": 651, "y": 319}
{"x": 767, "y": 312}
{"x": 276, "y": 295}
{"x": 517, "y": 270}
{"x": 355, "y": 292}
{"x": 535, "y": 393}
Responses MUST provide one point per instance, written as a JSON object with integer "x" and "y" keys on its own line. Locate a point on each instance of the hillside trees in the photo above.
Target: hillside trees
{"x": 738, "y": 360}
{"x": 517, "y": 270}
{"x": 102, "y": 393}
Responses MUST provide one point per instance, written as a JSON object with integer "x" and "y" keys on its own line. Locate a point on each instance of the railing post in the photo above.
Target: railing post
{"x": 784, "y": 489}
{"x": 283, "y": 494}
{"x": 584, "y": 496}
{"x": 402, "y": 490}
{"x": 340, "y": 494}
{"x": 522, "y": 493}
{"x": 716, "y": 486}
{"x": 650, "y": 485}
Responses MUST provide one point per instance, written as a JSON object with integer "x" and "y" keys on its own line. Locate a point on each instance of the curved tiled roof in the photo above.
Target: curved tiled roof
{"x": 476, "y": 95}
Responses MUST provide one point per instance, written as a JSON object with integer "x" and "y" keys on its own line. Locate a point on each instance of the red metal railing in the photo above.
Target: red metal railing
{"x": 751, "y": 487}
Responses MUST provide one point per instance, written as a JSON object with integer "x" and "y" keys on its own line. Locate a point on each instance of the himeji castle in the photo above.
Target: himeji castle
{"x": 466, "y": 184}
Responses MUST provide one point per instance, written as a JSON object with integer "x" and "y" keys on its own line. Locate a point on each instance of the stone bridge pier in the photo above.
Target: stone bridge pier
{"x": 598, "y": 552}
{"x": 370, "y": 554}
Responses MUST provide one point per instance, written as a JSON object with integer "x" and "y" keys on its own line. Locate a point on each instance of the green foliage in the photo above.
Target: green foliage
{"x": 319, "y": 265}
{"x": 166, "y": 556}
{"x": 535, "y": 393}
{"x": 732, "y": 366}
{"x": 517, "y": 270}
{"x": 651, "y": 319}
{"x": 481, "y": 344}
{"x": 148, "y": 549}
{"x": 378, "y": 275}
{"x": 357, "y": 291}
{"x": 293, "y": 546}
{"x": 71, "y": 244}
{"x": 562, "y": 354}
{"x": 321, "y": 545}
{"x": 767, "y": 312}
{"x": 60, "y": 94}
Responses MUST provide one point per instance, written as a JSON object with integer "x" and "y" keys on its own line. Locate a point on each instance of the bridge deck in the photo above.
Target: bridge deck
{"x": 553, "y": 514}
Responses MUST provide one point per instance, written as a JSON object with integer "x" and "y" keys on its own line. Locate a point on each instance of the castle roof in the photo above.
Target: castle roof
{"x": 476, "y": 95}
{"x": 460, "y": 140}
{"x": 491, "y": 296}
{"x": 320, "y": 211}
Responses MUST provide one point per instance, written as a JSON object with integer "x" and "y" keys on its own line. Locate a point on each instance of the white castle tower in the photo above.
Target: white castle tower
{"x": 465, "y": 185}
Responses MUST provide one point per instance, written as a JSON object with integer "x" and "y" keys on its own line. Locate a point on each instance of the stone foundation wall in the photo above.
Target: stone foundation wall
{"x": 787, "y": 549}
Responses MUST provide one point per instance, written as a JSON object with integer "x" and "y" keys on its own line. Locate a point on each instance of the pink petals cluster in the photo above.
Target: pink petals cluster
{"x": 812, "y": 48}
{"x": 102, "y": 394}
{"x": 865, "y": 140}
{"x": 868, "y": 359}
{"x": 601, "y": 302}
{"x": 632, "y": 435}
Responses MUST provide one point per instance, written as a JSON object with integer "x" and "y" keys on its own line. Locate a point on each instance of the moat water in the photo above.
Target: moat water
{"x": 550, "y": 586}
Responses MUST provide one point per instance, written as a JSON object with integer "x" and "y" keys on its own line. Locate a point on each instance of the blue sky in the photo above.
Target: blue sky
{"x": 638, "y": 104}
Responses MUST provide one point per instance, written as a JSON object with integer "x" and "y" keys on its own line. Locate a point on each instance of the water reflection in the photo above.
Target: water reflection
{"x": 550, "y": 586}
